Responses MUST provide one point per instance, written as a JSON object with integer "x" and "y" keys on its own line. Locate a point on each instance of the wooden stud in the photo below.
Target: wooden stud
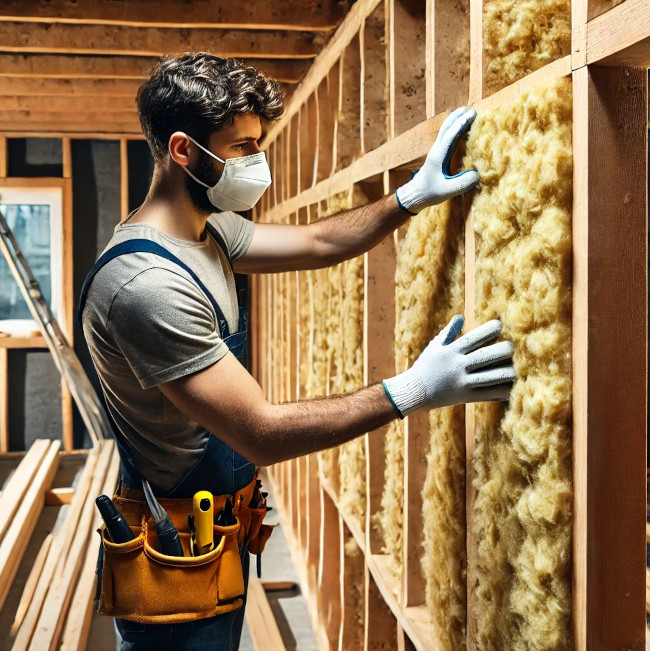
{"x": 610, "y": 381}
{"x": 475, "y": 51}
{"x": 348, "y": 135}
{"x": 4, "y": 397}
{"x": 3, "y": 156}
{"x": 124, "y": 178}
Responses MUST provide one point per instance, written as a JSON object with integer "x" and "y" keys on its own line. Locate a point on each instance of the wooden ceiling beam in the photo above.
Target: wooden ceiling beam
{"x": 156, "y": 41}
{"x": 87, "y": 117}
{"x": 123, "y": 67}
{"x": 127, "y": 88}
{"x": 69, "y": 87}
{"x": 304, "y": 15}
{"x": 67, "y": 104}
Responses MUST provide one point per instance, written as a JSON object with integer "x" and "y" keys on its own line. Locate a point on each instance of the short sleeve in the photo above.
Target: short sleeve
{"x": 164, "y": 326}
{"x": 236, "y": 231}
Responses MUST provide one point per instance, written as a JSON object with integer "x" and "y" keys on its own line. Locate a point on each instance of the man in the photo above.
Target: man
{"x": 164, "y": 332}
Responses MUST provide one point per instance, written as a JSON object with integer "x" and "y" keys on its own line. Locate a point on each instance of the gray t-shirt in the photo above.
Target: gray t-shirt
{"x": 147, "y": 322}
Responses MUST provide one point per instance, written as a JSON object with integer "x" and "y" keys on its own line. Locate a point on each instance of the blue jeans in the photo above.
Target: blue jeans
{"x": 219, "y": 633}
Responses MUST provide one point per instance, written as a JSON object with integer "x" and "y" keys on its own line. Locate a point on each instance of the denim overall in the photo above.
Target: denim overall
{"x": 220, "y": 470}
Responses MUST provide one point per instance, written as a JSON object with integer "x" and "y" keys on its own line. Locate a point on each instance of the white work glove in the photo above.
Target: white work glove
{"x": 452, "y": 371}
{"x": 432, "y": 184}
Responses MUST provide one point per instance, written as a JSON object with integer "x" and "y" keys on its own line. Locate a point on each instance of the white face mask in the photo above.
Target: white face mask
{"x": 242, "y": 183}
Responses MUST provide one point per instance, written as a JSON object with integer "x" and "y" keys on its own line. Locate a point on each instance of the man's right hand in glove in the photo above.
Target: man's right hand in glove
{"x": 454, "y": 370}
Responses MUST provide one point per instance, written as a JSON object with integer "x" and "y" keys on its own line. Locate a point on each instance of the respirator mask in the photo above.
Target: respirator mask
{"x": 242, "y": 183}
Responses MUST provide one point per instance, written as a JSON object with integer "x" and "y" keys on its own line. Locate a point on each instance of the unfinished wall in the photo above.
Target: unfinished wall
{"x": 520, "y": 37}
{"x": 522, "y": 458}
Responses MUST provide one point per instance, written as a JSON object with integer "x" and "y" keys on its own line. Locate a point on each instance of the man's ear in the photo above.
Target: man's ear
{"x": 179, "y": 148}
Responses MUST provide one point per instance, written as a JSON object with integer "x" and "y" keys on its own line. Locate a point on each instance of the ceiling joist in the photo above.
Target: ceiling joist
{"x": 156, "y": 41}
{"x": 69, "y": 87}
{"x": 305, "y": 15}
{"x": 125, "y": 67}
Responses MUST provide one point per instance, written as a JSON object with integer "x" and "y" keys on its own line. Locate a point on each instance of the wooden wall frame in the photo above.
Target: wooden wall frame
{"x": 610, "y": 52}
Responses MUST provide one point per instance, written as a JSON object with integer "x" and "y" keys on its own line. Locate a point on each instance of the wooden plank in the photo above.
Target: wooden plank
{"x": 328, "y": 100}
{"x": 4, "y": 398}
{"x": 128, "y": 121}
{"x": 66, "y": 152}
{"x": 61, "y": 543}
{"x": 59, "y": 496}
{"x": 65, "y": 103}
{"x": 22, "y": 525}
{"x": 18, "y": 485}
{"x": 56, "y": 66}
{"x": 66, "y": 319}
{"x": 59, "y": 595}
{"x": 77, "y": 624}
{"x": 124, "y": 178}
{"x": 451, "y": 27}
{"x": 329, "y": 601}
{"x": 3, "y": 156}
{"x": 380, "y": 626}
{"x": 66, "y": 127}
{"x": 31, "y": 583}
{"x": 609, "y": 263}
{"x": 308, "y": 15}
{"x": 36, "y": 341}
{"x": 416, "y": 447}
{"x": 126, "y": 40}
{"x": 579, "y": 12}
{"x": 56, "y": 132}
{"x": 374, "y": 75}
{"x": 349, "y": 114}
{"x": 475, "y": 51}
{"x": 260, "y": 619}
{"x": 323, "y": 63}
{"x": 107, "y": 89}
{"x": 621, "y": 36}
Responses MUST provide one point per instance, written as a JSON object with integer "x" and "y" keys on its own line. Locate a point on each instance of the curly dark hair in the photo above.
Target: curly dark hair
{"x": 200, "y": 93}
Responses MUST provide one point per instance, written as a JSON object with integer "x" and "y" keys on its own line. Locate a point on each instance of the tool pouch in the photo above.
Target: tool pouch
{"x": 138, "y": 583}
{"x": 141, "y": 584}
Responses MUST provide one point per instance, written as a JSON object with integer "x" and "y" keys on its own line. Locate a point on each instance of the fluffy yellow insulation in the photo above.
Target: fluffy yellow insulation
{"x": 428, "y": 291}
{"x": 341, "y": 287}
{"x": 522, "y": 460}
{"x": 520, "y": 36}
{"x": 443, "y": 495}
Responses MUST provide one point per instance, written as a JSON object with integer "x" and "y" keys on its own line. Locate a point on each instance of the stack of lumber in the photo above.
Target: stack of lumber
{"x": 55, "y": 609}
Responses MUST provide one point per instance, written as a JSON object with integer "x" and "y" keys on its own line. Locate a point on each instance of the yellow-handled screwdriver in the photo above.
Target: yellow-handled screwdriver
{"x": 202, "y": 509}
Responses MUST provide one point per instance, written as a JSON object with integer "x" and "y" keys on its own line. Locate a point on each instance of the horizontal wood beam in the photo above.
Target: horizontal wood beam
{"x": 66, "y": 104}
{"x": 69, "y": 87}
{"x": 156, "y": 41}
{"x": 621, "y": 37}
{"x": 82, "y": 119}
{"x": 122, "y": 67}
{"x": 71, "y": 127}
{"x": 56, "y": 132}
{"x": 310, "y": 15}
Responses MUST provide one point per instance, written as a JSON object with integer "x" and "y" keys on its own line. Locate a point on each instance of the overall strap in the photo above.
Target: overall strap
{"x": 149, "y": 246}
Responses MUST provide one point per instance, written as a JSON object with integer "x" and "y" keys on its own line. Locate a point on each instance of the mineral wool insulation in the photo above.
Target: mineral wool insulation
{"x": 428, "y": 292}
{"x": 520, "y": 36}
{"x": 337, "y": 359}
{"x": 521, "y": 522}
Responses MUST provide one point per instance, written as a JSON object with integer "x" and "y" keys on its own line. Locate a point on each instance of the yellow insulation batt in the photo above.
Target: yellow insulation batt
{"x": 429, "y": 262}
{"x": 352, "y": 455}
{"x": 520, "y": 36}
{"x": 443, "y": 496}
{"x": 522, "y": 459}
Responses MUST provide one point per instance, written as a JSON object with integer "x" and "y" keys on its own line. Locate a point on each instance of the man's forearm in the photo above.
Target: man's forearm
{"x": 353, "y": 232}
{"x": 290, "y": 430}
